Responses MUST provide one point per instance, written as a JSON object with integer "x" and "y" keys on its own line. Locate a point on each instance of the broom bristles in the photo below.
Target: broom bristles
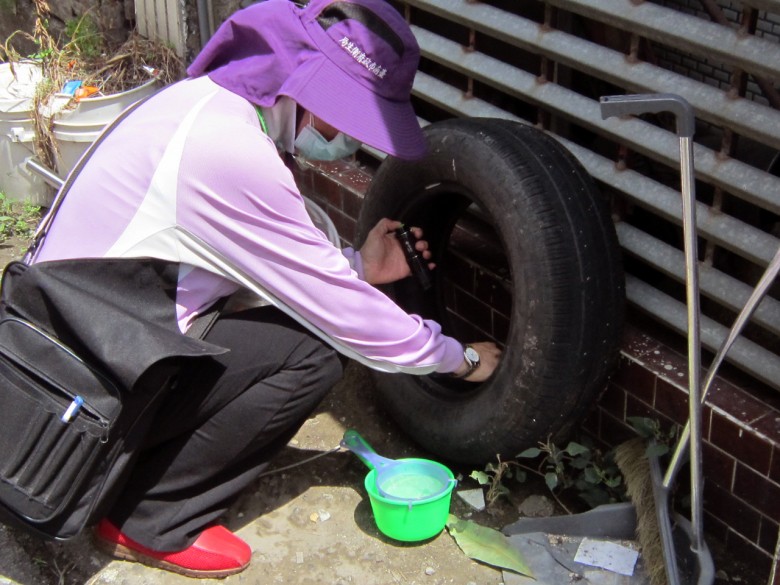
{"x": 631, "y": 459}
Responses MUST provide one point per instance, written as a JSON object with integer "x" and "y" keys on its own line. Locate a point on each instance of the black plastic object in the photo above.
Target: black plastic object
{"x": 415, "y": 259}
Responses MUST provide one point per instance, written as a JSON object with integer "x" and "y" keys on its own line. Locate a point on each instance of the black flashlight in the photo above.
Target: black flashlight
{"x": 415, "y": 259}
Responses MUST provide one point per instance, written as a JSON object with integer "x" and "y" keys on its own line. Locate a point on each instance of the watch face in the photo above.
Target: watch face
{"x": 471, "y": 355}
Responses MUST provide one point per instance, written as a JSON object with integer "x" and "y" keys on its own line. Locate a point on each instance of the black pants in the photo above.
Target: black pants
{"x": 222, "y": 424}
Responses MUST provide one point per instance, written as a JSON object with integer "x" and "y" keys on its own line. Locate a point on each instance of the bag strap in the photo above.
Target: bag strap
{"x": 45, "y": 224}
{"x": 205, "y": 321}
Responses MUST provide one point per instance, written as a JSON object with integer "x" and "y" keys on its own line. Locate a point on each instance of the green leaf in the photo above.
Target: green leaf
{"x": 521, "y": 476}
{"x": 579, "y": 463}
{"x": 481, "y": 477}
{"x": 530, "y": 453}
{"x": 575, "y": 449}
{"x": 501, "y": 490}
{"x": 487, "y": 545}
{"x": 551, "y": 480}
{"x": 592, "y": 475}
{"x": 646, "y": 427}
{"x": 656, "y": 449}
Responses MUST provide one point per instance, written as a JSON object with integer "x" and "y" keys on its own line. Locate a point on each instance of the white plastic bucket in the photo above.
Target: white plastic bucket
{"x": 17, "y": 134}
{"x": 75, "y": 129}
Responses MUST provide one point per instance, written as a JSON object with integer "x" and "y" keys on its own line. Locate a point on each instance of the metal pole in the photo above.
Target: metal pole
{"x": 694, "y": 334}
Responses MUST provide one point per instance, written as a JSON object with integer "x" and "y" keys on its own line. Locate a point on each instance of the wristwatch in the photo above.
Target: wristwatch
{"x": 472, "y": 360}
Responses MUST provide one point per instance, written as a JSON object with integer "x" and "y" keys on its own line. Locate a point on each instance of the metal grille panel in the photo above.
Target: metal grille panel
{"x": 547, "y": 63}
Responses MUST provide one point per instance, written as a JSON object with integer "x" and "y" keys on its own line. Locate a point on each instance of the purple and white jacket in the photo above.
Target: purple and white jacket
{"x": 191, "y": 178}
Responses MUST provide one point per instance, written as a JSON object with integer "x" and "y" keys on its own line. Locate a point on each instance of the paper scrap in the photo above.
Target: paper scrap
{"x": 607, "y": 555}
{"x": 474, "y": 498}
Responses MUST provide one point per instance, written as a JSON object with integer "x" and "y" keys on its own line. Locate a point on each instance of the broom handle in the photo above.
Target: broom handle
{"x": 771, "y": 272}
{"x": 694, "y": 335}
{"x": 686, "y": 121}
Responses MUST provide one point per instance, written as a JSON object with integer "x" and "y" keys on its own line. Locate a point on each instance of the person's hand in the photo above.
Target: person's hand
{"x": 382, "y": 255}
{"x": 489, "y": 356}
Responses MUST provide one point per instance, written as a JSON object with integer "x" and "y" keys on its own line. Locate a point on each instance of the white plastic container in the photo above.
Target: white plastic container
{"x": 17, "y": 134}
{"x": 75, "y": 129}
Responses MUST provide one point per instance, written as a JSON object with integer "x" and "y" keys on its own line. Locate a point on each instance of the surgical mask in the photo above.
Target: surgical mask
{"x": 312, "y": 145}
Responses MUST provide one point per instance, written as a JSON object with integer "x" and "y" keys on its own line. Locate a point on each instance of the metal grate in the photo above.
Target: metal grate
{"x": 547, "y": 63}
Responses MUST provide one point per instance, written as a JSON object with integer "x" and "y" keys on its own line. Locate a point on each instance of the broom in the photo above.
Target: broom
{"x": 631, "y": 458}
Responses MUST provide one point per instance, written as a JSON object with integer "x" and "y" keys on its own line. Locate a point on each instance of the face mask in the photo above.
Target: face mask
{"x": 312, "y": 145}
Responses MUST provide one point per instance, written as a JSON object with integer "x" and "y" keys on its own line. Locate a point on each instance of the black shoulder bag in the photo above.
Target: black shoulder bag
{"x": 88, "y": 351}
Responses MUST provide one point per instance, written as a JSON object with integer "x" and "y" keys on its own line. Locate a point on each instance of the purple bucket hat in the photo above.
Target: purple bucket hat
{"x": 349, "y": 62}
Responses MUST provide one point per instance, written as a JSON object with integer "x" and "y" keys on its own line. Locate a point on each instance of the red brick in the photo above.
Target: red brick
{"x": 759, "y": 491}
{"x": 639, "y": 408}
{"x": 671, "y": 401}
{"x": 355, "y": 180}
{"x": 592, "y": 423}
{"x": 493, "y": 292}
{"x": 613, "y": 430}
{"x": 636, "y": 379}
{"x": 345, "y": 226}
{"x": 769, "y": 426}
{"x": 459, "y": 271}
{"x": 715, "y": 527}
{"x": 749, "y": 554}
{"x": 304, "y": 180}
{"x": 767, "y": 538}
{"x": 738, "y": 403}
{"x": 637, "y": 344}
{"x": 352, "y": 203}
{"x": 325, "y": 187}
{"x": 473, "y": 310}
{"x": 463, "y": 329}
{"x": 613, "y": 401}
{"x": 718, "y": 466}
{"x": 741, "y": 517}
{"x": 669, "y": 366}
{"x": 747, "y": 447}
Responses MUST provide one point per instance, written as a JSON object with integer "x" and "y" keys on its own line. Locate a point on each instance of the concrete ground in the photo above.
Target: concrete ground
{"x": 310, "y": 524}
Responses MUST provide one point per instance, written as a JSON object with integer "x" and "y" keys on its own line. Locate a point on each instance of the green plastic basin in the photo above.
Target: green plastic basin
{"x": 414, "y": 520}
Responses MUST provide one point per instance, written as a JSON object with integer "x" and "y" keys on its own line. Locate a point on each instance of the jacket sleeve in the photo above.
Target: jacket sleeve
{"x": 244, "y": 202}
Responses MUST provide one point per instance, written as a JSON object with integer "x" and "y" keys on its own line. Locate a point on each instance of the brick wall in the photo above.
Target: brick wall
{"x": 767, "y": 26}
{"x": 741, "y": 432}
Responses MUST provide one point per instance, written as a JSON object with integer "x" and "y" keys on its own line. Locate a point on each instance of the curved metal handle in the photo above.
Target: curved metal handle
{"x": 651, "y": 103}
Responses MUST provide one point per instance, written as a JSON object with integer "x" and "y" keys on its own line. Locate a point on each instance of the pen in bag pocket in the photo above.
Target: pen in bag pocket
{"x": 72, "y": 410}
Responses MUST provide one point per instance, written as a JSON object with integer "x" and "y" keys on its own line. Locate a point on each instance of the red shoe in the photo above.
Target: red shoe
{"x": 216, "y": 553}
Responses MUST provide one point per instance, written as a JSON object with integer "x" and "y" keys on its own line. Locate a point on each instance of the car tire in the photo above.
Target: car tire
{"x": 547, "y": 239}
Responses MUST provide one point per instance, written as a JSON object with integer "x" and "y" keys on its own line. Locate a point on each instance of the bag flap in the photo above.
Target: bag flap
{"x": 120, "y": 313}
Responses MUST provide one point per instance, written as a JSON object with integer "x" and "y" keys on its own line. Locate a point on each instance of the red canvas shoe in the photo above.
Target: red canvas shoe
{"x": 216, "y": 553}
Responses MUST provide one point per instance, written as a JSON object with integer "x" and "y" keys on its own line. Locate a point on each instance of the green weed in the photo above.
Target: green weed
{"x": 17, "y": 219}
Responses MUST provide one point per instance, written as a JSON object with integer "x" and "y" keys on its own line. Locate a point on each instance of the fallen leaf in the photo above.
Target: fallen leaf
{"x": 487, "y": 545}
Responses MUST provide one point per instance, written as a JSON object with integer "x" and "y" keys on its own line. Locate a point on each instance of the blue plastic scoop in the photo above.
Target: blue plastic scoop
{"x": 407, "y": 480}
